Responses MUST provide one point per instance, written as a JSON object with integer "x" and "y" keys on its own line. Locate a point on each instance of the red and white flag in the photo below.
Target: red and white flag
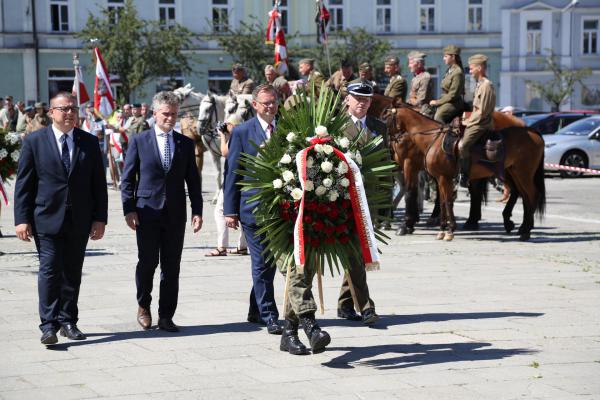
{"x": 276, "y": 36}
{"x": 103, "y": 98}
{"x": 80, "y": 91}
{"x": 322, "y": 20}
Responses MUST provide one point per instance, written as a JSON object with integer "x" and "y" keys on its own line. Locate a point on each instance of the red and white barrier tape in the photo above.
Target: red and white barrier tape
{"x": 569, "y": 168}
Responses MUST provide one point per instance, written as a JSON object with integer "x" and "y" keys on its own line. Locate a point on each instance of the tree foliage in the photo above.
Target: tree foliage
{"x": 562, "y": 84}
{"x": 135, "y": 49}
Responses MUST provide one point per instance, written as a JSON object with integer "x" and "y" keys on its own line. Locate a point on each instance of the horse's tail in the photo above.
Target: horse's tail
{"x": 540, "y": 185}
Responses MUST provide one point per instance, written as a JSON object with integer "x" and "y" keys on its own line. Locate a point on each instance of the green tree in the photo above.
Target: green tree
{"x": 562, "y": 84}
{"x": 135, "y": 49}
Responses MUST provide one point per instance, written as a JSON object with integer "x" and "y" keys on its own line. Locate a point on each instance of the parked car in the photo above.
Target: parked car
{"x": 576, "y": 145}
{"x": 549, "y": 123}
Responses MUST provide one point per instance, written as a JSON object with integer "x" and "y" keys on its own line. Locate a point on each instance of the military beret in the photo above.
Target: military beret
{"x": 360, "y": 88}
{"x": 417, "y": 55}
{"x": 478, "y": 59}
{"x": 452, "y": 49}
{"x": 309, "y": 61}
{"x": 392, "y": 60}
{"x": 136, "y": 105}
{"x": 237, "y": 67}
{"x": 39, "y": 105}
{"x": 365, "y": 67}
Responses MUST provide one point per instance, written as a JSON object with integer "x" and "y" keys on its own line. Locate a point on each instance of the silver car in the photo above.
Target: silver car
{"x": 575, "y": 145}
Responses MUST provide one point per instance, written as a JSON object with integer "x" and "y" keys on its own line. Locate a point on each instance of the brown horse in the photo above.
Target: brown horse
{"x": 421, "y": 139}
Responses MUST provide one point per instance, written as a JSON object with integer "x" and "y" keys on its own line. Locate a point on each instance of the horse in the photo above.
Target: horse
{"x": 189, "y": 100}
{"x": 240, "y": 105}
{"x": 423, "y": 138}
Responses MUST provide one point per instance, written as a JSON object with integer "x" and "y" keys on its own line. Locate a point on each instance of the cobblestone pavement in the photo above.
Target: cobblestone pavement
{"x": 482, "y": 317}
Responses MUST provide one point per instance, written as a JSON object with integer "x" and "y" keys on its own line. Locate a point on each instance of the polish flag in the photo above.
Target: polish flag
{"x": 276, "y": 36}
{"x": 103, "y": 99}
{"x": 80, "y": 91}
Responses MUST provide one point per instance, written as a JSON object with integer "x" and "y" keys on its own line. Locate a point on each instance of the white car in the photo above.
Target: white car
{"x": 575, "y": 145}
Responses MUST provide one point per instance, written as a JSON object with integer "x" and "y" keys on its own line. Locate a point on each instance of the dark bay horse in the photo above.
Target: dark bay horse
{"x": 421, "y": 140}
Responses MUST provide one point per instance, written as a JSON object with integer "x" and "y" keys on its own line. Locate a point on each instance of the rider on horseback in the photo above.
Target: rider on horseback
{"x": 480, "y": 120}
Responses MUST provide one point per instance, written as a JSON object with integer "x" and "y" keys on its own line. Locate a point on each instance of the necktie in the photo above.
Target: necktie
{"x": 66, "y": 160}
{"x": 359, "y": 125}
{"x": 269, "y": 130}
{"x": 167, "y": 152}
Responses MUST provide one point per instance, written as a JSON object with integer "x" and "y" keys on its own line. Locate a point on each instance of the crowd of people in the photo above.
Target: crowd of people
{"x": 61, "y": 200}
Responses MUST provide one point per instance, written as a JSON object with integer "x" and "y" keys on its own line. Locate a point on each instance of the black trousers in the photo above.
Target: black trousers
{"x": 59, "y": 277}
{"x": 159, "y": 240}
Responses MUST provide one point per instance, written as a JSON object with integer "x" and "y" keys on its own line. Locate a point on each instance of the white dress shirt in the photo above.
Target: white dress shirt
{"x": 160, "y": 139}
{"x": 58, "y": 135}
{"x": 264, "y": 125}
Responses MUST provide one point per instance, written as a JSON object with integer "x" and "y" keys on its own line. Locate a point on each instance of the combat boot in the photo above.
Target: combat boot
{"x": 290, "y": 341}
{"x": 465, "y": 166}
{"x": 318, "y": 338}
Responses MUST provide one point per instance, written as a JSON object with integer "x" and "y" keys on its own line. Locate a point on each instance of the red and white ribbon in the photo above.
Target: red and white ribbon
{"x": 360, "y": 209}
{"x": 570, "y": 168}
{"x": 3, "y": 192}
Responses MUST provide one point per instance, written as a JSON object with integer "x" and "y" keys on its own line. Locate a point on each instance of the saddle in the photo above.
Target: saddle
{"x": 488, "y": 150}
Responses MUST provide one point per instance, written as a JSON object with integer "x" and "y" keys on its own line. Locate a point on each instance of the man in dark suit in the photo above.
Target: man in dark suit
{"x": 159, "y": 162}
{"x": 60, "y": 201}
{"x": 236, "y": 208}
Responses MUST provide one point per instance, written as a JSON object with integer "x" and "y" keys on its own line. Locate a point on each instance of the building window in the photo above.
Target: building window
{"x": 59, "y": 15}
{"x": 427, "y": 15}
{"x": 219, "y": 81}
{"x": 433, "y": 71}
{"x": 534, "y": 37}
{"x": 115, "y": 8}
{"x": 336, "y": 10}
{"x": 384, "y": 16}
{"x": 475, "y": 16}
{"x": 166, "y": 13}
{"x": 60, "y": 80}
{"x": 220, "y": 16}
{"x": 590, "y": 36}
{"x": 283, "y": 11}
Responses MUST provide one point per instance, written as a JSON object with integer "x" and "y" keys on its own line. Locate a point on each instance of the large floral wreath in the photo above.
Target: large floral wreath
{"x": 316, "y": 189}
{"x": 10, "y": 144}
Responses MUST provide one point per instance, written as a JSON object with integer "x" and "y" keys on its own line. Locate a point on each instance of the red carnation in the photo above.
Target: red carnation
{"x": 318, "y": 226}
{"x": 322, "y": 208}
{"x": 341, "y": 228}
{"x": 330, "y": 240}
{"x": 329, "y": 230}
{"x": 285, "y": 204}
{"x": 308, "y": 219}
{"x": 311, "y": 205}
{"x": 333, "y": 213}
{"x": 344, "y": 239}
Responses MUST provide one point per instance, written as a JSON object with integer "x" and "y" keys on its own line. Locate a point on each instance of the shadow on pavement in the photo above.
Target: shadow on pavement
{"x": 397, "y": 356}
{"x": 541, "y": 237}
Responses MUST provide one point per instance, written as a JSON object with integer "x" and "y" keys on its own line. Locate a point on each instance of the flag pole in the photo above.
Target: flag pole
{"x": 75, "y": 67}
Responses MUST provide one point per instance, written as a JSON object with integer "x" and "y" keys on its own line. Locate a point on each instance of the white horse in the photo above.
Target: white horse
{"x": 240, "y": 105}
{"x": 190, "y": 100}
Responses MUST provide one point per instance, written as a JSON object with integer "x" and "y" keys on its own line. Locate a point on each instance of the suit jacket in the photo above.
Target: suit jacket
{"x": 43, "y": 186}
{"x": 374, "y": 128}
{"x": 147, "y": 189}
{"x": 244, "y": 139}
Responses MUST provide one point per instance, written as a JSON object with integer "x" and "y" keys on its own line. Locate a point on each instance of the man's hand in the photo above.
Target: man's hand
{"x": 196, "y": 222}
{"x": 433, "y": 103}
{"x": 132, "y": 220}
{"x": 97, "y": 230}
{"x": 24, "y": 232}
{"x": 232, "y": 222}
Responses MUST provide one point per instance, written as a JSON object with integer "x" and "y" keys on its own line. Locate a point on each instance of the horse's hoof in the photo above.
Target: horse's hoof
{"x": 441, "y": 235}
{"x": 470, "y": 226}
{"x": 449, "y": 236}
{"x": 509, "y": 226}
{"x": 525, "y": 236}
{"x": 401, "y": 231}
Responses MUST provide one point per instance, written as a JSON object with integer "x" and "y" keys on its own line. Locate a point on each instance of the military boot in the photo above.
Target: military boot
{"x": 290, "y": 341}
{"x": 465, "y": 166}
{"x": 318, "y": 338}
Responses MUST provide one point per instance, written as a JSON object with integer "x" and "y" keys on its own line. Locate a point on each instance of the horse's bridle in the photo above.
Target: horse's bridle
{"x": 204, "y": 127}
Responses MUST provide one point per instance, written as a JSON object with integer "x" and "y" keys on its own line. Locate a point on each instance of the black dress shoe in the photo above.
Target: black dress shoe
{"x": 349, "y": 314}
{"x": 369, "y": 316}
{"x": 71, "y": 331}
{"x": 273, "y": 327}
{"x": 318, "y": 338}
{"x": 290, "y": 341}
{"x": 167, "y": 324}
{"x": 470, "y": 225}
{"x": 255, "y": 319}
{"x": 49, "y": 337}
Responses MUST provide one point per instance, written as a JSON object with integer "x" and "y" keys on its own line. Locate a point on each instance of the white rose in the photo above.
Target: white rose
{"x": 319, "y": 148}
{"x": 291, "y": 136}
{"x": 344, "y": 143}
{"x": 13, "y": 137}
{"x": 345, "y": 182}
{"x": 15, "y": 155}
{"x": 277, "y": 183}
{"x": 320, "y": 190}
{"x": 321, "y": 131}
{"x": 309, "y": 186}
{"x": 326, "y": 166}
{"x": 327, "y": 149}
{"x": 287, "y": 175}
{"x": 358, "y": 158}
{"x": 286, "y": 159}
{"x": 327, "y": 182}
{"x": 333, "y": 195}
{"x": 342, "y": 168}
{"x": 310, "y": 162}
{"x": 297, "y": 194}
{"x": 3, "y": 154}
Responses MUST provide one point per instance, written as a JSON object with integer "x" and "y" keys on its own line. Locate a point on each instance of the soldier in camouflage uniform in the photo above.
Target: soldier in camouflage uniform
{"x": 240, "y": 84}
{"x": 396, "y": 88}
{"x": 278, "y": 82}
{"x": 306, "y": 67}
{"x": 365, "y": 74}
{"x": 340, "y": 78}
{"x": 480, "y": 120}
{"x": 137, "y": 123}
{"x": 421, "y": 85}
{"x": 451, "y": 105}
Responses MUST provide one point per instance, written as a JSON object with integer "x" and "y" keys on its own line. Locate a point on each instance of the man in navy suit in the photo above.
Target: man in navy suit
{"x": 159, "y": 162}
{"x": 236, "y": 208}
{"x": 60, "y": 201}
